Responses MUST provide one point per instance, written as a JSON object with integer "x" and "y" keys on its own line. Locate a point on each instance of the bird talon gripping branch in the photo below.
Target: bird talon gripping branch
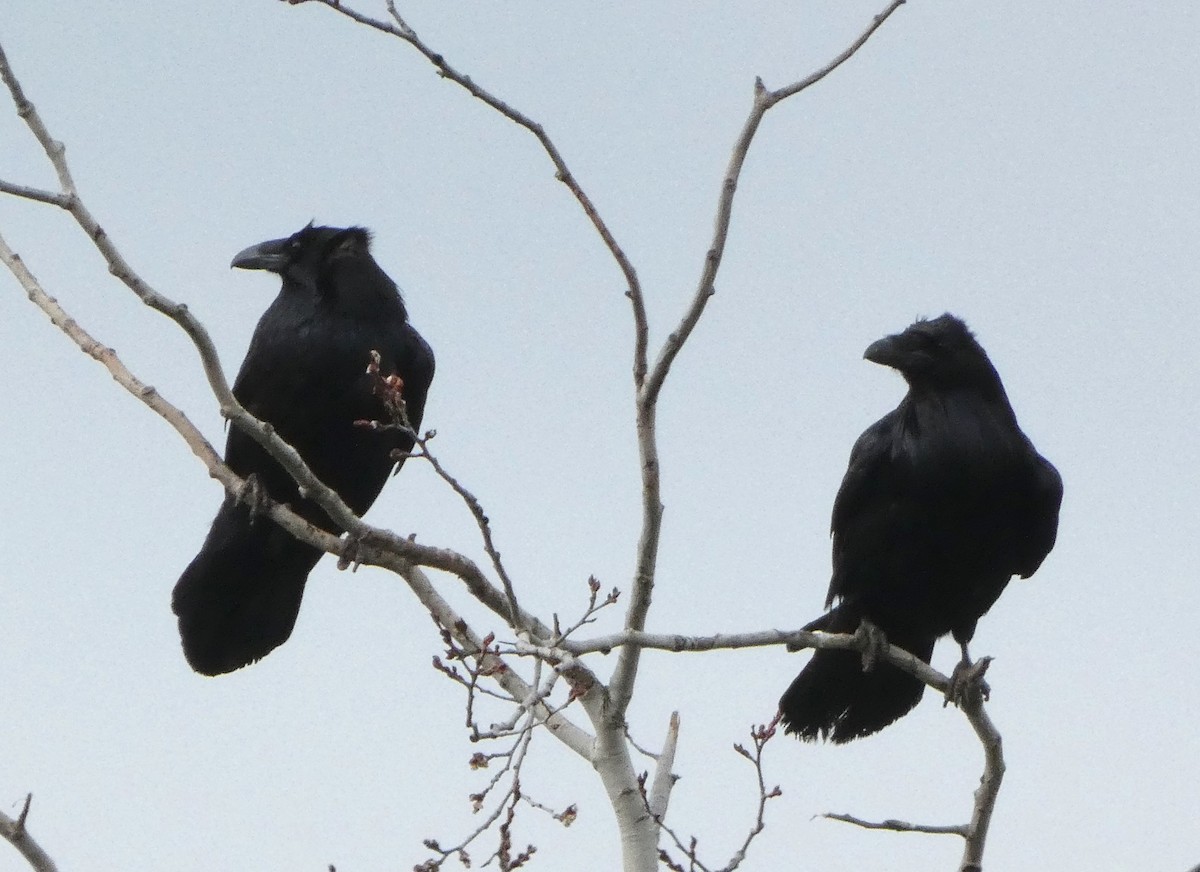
{"x": 349, "y": 556}
{"x": 966, "y": 681}
{"x": 252, "y": 495}
{"x": 874, "y": 642}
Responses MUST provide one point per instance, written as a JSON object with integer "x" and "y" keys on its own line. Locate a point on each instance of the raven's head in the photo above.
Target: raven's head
{"x": 941, "y": 353}
{"x": 306, "y": 253}
{"x": 333, "y": 264}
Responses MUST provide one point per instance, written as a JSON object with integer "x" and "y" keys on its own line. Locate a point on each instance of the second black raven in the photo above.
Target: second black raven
{"x": 306, "y": 374}
{"x": 945, "y": 500}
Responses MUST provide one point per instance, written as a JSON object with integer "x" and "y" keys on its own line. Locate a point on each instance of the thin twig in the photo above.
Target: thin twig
{"x": 898, "y": 826}
{"x": 485, "y": 529}
{"x": 589, "y": 613}
{"x": 27, "y": 193}
{"x": 514, "y": 758}
{"x": 390, "y": 389}
{"x": 759, "y": 736}
{"x": 974, "y": 834}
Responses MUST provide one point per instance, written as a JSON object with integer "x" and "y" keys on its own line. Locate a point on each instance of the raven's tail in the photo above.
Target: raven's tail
{"x": 238, "y": 599}
{"x": 832, "y": 698}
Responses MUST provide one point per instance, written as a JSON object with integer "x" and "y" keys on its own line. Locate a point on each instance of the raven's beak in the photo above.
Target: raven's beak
{"x": 271, "y": 256}
{"x": 887, "y": 351}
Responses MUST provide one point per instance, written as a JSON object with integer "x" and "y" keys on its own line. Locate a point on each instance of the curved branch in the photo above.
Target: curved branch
{"x": 974, "y": 833}
{"x": 989, "y": 782}
{"x": 481, "y": 521}
{"x": 400, "y": 29}
{"x": 764, "y": 99}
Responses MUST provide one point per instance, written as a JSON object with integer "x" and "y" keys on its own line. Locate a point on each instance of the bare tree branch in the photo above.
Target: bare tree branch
{"x": 16, "y": 834}
{"x": 764, "y": 100}
{"x": 974, "y": 834}
{"x": 897, "y": 826}
{"x": 27, "y": 193}
{"x": 760, "y": 736}
{"x": 621, "y": 685}
{"x": 400, "y": 29}
{"x": 989, "y": 783}
{"x": 795, "y": 640}
{"x": 485, "y": 530}
{"x": 391, "y": 390}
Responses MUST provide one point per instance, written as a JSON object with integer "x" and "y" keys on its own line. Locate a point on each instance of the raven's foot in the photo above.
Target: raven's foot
{"x": 252, "y": 495}
{"x": 874, "y": 644}
{"x": 966, "y": 681}
{"x": 351, "y": 544}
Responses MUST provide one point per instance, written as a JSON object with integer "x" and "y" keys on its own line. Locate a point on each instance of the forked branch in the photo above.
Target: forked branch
{"x": 621, "y": 685}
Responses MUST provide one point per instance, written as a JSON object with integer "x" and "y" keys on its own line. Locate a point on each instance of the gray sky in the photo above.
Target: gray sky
{"x": 1029, "y": 166}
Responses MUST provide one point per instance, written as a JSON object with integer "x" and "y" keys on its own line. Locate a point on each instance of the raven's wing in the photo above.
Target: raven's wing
{"x": 273, "y": 386}
{"x": 864, "y": 506}
{"x": 1045, "y": 497}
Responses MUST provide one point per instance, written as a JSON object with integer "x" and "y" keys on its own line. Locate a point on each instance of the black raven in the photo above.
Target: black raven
{"x": 306, "y": 374}
{"x": 945, "y": 499}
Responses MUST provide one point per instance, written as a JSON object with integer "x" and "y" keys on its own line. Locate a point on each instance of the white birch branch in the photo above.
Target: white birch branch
{"x": 659, "y": 795}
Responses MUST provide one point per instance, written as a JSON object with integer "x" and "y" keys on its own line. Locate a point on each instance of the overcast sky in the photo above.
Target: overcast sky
{"x": 1029, "y": 166}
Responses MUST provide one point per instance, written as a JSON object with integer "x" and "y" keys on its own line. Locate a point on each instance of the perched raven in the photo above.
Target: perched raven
{"x": 944, "y": 501}
{"x": 306, "y": 374}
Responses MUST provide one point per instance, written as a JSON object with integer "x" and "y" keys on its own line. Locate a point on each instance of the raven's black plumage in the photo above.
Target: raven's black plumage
{"x": 306, "y": 374}
{"x": 945, "y": 499}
